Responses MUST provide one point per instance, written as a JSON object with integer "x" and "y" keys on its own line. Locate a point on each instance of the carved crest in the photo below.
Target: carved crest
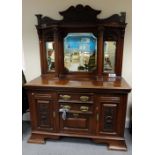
{"x": 80, "y": 13}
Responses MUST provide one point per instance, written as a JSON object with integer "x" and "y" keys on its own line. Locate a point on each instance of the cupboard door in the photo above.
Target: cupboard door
{"x": 109, "y": 108}
{"x": 43, "y": 112}
{"x": 76, "y": 123}
{"x": 76, "y": 117}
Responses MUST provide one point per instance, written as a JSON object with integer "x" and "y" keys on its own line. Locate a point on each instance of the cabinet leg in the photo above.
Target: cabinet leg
{"x": 40, "y": 138}
{"x": 36, "y": 139}
{"x": 113, "y": 144}
{"x": 118, "y": 145}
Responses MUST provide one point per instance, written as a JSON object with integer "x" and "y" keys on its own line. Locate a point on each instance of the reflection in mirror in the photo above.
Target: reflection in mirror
{"x": 109, "y": 56}
{"x": 80, "y": 52}
{"x": 50, "y": 55}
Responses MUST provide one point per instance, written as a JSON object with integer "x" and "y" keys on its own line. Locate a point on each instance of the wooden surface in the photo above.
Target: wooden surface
{"x": 81, "y": 19}
{"x": 107, "y": 83}
{"x": 103, "y": 121}
{"x": 102, "y": 116}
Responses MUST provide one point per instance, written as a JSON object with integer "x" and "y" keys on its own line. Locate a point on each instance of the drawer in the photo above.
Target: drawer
{"x": 79, "y": 108}
{"x": 110, "y": 99}
{"x": 44, "y": 95}
{"x": 73, "y": 97}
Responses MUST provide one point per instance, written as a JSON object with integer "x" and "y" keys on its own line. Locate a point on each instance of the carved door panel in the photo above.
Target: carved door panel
{"x": 109, "y": 109}
{"x": 43, "y": 112}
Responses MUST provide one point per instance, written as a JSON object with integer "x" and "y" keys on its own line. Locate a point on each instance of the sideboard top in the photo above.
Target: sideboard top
{"x": 43, "y": 81}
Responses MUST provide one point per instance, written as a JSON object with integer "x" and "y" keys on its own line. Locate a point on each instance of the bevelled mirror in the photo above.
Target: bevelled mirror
{"x": 50, "y": 53}
{"x": 109, "y": 56}
{"x": 80, "y": 52}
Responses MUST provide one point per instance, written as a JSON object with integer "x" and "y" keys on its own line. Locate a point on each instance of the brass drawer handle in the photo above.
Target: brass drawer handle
{"x": 84, "y": 98}
{"x": 66, "y": 107}
{"x": 84, "y": 108}
{"x": 65, "y": 97}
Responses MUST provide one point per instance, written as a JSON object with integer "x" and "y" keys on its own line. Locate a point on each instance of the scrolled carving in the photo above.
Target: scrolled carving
{"x": 43, "y": 112}
{"x": 80, "y": 13}
{"x": 116, "y": 18}
{"x": 44, "y": 22}
{"x": 39, "y": 17}
{"x": 109, "y": 117}
{"x": 123, "y": 17}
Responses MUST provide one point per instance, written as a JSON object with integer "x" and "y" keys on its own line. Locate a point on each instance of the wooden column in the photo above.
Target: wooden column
{"x": 56, "y": 47}
{"x": 100, "y": 51}
{"x": 119, "y": 54}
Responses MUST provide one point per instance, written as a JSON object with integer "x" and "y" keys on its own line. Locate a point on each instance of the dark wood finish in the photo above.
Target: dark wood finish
{"x": 100, "y": 54}
{"x": 80, "y": 13}
{"x": 25, "y": 105}
{"x": 103, "y": 121}
{"x": 94, "y": 104}
{"x": 81, "y": 19}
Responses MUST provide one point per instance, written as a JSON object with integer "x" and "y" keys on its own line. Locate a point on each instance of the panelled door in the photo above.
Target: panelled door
{"x": 43, "y": 115}
{"x": 111, "y": 115}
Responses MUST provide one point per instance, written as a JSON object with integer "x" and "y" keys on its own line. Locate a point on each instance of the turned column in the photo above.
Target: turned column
{"x": 56, "y": 48}
{"x": 100, "y": 52}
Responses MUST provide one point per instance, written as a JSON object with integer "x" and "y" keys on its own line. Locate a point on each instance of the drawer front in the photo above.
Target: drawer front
{"x": 73, "y": 97}
{"x": 77, "y": 107}
{"x": 44, "y": 95}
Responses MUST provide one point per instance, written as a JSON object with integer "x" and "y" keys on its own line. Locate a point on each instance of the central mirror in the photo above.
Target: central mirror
{"x": 80, "y": 52}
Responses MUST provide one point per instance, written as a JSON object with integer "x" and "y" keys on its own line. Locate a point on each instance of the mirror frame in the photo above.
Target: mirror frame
{"x": 108, "y": 29}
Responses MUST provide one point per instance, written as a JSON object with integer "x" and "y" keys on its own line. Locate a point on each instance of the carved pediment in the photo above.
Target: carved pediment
{"x": 117, "y": 18}
{"x": 45, "y": 21}
{"x": 80, "y": 13}
{"x": 77, "y": 15}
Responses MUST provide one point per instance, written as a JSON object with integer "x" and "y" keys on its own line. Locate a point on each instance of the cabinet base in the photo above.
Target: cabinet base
{"x": 40, "y": 139}
{"x": 118, "y": 145}
{"x": 112, "y": 144}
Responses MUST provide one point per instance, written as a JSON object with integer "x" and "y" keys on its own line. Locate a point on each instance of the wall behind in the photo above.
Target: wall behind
{"x": 51, "y": 8}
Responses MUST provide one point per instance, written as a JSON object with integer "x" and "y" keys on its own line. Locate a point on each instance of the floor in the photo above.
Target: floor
{"x": 69, "y": 146}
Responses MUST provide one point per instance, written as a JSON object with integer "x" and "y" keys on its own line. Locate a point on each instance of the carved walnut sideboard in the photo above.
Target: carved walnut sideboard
{"x": 87, "y": 103}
